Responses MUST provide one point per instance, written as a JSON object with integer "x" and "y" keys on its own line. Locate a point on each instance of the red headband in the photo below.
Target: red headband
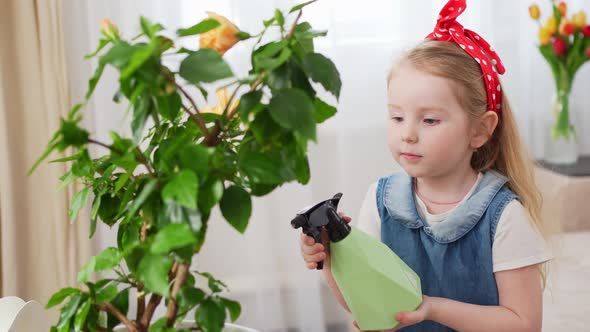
{"x": 448, "y": 29}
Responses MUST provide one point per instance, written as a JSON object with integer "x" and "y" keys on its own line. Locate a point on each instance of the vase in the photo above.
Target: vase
{"x": 560, "y": 139}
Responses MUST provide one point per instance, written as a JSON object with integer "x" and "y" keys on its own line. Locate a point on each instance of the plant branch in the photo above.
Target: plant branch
{"x": 90, "y": 140}
{"x": 181, "y": 276}
{"x": 144, "y": 161}
{"x": 108, "y": 307}
{"x": 294, "y": 24}
{"x": 196, "y": 117}
{"x": 155, "y": 300}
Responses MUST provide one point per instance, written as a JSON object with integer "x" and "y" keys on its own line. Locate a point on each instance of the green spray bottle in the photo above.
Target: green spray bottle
{"x": 375, "y": 283}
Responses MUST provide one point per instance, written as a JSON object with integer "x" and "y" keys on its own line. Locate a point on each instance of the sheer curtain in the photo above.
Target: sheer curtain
{"x": 263, "y": 268}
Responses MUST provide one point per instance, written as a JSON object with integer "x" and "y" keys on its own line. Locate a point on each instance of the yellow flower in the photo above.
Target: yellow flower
{"x": 579, "y": 19}
{"x": 544, "y": 36}
{"x": 551, "y": 24}
{"x": 109, "y": 29}
{"x": 221, "y": 38}
{"x": 222, "y": 100}
{"x": 534, "y": 11}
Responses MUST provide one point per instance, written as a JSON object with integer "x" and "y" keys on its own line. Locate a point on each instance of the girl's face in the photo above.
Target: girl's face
{"x": 428, "y": 133}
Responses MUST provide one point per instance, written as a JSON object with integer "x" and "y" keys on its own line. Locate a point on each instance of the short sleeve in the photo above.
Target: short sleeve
{"x": 517, "y": 243}
{"x": 368, "y": 217}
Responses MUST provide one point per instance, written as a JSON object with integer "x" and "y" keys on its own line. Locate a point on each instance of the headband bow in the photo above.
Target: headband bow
{"x": 448, "y": 29}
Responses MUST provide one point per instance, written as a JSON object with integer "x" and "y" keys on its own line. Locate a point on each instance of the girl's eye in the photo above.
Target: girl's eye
{"x": 431, "y": 121}
{"x": 397, "y": 118}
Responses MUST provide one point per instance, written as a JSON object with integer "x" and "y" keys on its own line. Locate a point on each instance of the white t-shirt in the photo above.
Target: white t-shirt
{"x": 516, "y": 242}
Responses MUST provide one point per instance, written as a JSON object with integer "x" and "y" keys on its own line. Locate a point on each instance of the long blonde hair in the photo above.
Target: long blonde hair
{"x": 504, "y": 152}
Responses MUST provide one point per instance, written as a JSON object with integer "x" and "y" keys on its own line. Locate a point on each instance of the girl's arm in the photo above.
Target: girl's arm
{"x": 520, "y": 309}
{"x": 333, "y": 287}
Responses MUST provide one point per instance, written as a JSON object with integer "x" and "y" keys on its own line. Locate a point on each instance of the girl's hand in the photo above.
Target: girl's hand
{"x": 313, "y": 252}
{"x": 407, "y": 318}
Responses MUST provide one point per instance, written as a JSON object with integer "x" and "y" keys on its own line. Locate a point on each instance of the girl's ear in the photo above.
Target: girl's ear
{"x": 484, "y": 129}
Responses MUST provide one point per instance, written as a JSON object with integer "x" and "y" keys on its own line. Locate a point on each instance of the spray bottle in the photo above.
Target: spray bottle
{"x": 375, "y": 283}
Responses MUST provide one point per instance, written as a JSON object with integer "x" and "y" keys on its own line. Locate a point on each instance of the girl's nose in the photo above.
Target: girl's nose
{"x": 409, "y": 134}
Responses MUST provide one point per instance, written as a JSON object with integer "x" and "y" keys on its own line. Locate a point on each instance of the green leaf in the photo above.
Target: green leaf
{"x": 210, "y": 316}
{"x": 204, "y": 65}
{"x": 261, "y": 168}
{"x": 153, "y": 271}
{"x": 120, "y": 302}
{"x": 106, "y": 294}
{"x": 169, "y": 106}
{"x": 323, "y": 71}
{"x": 78, "y": 202}
{"x": 293, "y": 109}
{"x": 189, "y": 297}
{"x": 171, "y": 237}
{"x": 140, "y": 56}
{"x": 266, "y": 54}
{"x": 101, "y": 44}
{"x": 72, "y": 134}
{"x": 196, "y": 158}
{"x": 250, "y": 103}
{"x": 242, "y": 35}
{"x": 143, "y": 195}
{"x": 182, "y": 189}
{"x": 300, "y": 6}
{"x": 141, "y": 111}
{"x": 271, "y": 63}
{"x": 233, "y": 307}
{"x": 81, "y": 315}
{"x": 201, "y": 27}
{"x": 107, "y": 259}
{"x": 87, "y": 270}
{"x": 279, "y": 18}
{"x": 236, "y": 207}
{"x": 323, "y": 110}
{"x": 61, "y": 295}
{"x": 68, "y": 311}
{"x": 210, "y": 193}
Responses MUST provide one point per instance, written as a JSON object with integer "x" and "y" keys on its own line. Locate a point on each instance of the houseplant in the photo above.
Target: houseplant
{"x": 159, "y": 186}
{"x": 564, "y": 42}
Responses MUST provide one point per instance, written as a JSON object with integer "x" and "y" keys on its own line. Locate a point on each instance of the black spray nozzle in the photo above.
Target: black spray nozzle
{"x": 322, "y": 215}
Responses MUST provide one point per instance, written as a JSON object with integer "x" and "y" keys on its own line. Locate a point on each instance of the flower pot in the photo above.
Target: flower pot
{"x": 191, "y": 323}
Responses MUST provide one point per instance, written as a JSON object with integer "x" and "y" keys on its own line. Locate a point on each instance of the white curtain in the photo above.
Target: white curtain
{"x": 262, "y": 267}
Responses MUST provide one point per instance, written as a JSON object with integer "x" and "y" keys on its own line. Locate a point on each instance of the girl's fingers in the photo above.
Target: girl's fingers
{"x": 314, "y": 258}
{"x": 312, "y": 265}
{"x": 346, "y": 218}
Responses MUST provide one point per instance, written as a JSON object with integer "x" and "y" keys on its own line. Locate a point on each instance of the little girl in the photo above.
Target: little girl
{"x": 464, "y": 214}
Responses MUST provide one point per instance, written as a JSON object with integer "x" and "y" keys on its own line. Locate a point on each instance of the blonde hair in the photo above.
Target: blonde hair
{"x": 504, "y": 152}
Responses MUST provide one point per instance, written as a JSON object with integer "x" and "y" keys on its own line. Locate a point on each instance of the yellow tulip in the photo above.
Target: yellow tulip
{"x": 222, "y": 101}
{"x": 544, "y": 36}
{"x": 551, "y": 24}
{"x": 222, "y": 38}
{"x": 579, "y": 19}
{"x": 534, "y": 12}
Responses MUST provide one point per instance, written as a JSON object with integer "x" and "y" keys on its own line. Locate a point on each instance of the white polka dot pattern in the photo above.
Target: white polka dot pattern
{"x": 448, "y": 29}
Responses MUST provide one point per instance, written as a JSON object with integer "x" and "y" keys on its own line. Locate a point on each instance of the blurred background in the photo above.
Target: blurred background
{"x": 43, "y": 74}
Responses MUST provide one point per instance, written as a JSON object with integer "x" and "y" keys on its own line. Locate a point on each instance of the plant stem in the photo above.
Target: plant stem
{"x": 144, "y": 161}
{"x": 108, "y": 307}
{"x": 90, "y": 140}
{"x": 140, "y": 302}
{"x": 196, "y": 117}
{"x": 181, "y": 276}
{"x": 294, "y": 24}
